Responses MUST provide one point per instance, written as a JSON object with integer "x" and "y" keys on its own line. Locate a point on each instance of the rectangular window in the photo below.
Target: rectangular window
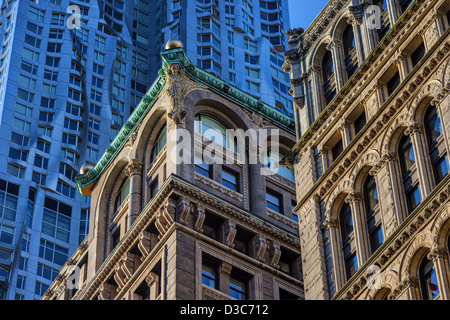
{"x": 52, "y": 252}
{"x": 273, "y": 201}
{"x": 337, "y": 149}
{"x": 202, "y": 167}
{"x": 56, "y": 219}
{"x": 393, "y": 83}
{"x": 6, "y": 234}
{"x": 65, "y": 189}
{"x": 230, "y": 179}
{"x": 8, "y": 200}
{"x": 47, "y": 272}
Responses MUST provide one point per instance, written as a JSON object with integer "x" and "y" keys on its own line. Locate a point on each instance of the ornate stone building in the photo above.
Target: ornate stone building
{"x": 161, "y": 228}
{"x": 370, "y": 81}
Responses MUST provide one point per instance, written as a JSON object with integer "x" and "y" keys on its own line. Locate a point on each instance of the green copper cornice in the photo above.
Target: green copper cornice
{"x": 280, "y": 119}
{"x": 122, "y": 137}
{"x": 170, "y": 57}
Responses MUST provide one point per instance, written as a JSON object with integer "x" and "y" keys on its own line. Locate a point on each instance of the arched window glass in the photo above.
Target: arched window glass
{"x": 272, "y": 162}
{"x": 350, "y": 54}
{"x": 406, "y": 154}
{"x": 350, "y": 259}
{"x": 123, "y": 193}
{"x": 329, "y": 83}
{"x": 372, "y": 216}
{"x": 433, "y": 130}
{"x": 407, "y": 160}
{"x": 159, "y": 143}
{"x": 213, "y": 130}
{"x": 384, "y": 17}
{"x": 428, "y": 280}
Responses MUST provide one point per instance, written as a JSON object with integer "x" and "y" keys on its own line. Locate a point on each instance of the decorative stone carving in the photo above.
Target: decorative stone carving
{"x": 165, "y": 217}
{"x": 127, "y": 264}
{"x": 183, "y": 209}
{"x": 260, "y": 247}
{"x": 106, "y": 291}
{"x": 133, "y": 167}
{"x": 144, "y": 244}
{"x": 199, "y": 215}
{"x": 275, "y": 254}
{"x": 225, "y": 268}
{"x": 230, "y": 233}
{"x": 175, "y": 92}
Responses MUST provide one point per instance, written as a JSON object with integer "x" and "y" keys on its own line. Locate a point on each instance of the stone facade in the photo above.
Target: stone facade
{"x": 174, "y": 227}
{"x": 402, "y": 77}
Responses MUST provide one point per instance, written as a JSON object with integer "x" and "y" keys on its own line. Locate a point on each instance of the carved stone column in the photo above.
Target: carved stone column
{"x": 344, "y": 128}
{"x": 356, "y": 26}
{"x": 337, "y": 52}
{"x": 333, "y": 228}
{"x": 355, "y": 200}
{"x": 416, "y": 133}
{"x": 318, "y": 100}
{"x": 134, "y": 171}
{"x": 438, "y": 257}
{"x": 402, "y": 66}
{"x": 400, "y": 210}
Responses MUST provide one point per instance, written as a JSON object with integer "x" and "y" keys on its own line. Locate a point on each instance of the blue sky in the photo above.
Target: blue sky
{"x": 303, "y": 12}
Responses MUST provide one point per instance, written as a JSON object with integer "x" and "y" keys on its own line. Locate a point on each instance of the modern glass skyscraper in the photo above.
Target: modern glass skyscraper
{"x": 240, "y": 41}
{"x": 71, "y": 72}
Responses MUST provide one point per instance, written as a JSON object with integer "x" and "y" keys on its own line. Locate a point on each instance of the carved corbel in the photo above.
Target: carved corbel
{"x": 199, "y": 215}
{"x": 119, "y": 276}
{"x": 144, "y": 244}
{"x": 106, "y": 291}
{"x": 275, "y": 254}
{"x": 183, "y": 209}
{"x": 165, "y": 217}
{"x": 230, "y": 233}
{"x": 260, "y": 247}
{"x": 127, "y": 265}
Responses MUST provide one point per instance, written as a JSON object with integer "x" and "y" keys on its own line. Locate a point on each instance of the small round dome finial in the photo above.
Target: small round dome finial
{"x": 174, "y": 44}
{"x": 86, "y": 168}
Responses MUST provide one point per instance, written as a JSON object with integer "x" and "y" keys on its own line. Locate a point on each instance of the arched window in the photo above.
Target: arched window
{"x": 122, "y": 194}
{"x": 407, "y": 160}
{"x": 213, "y": 130}
{"x": 372, "y": 215}
{"x": 329, "y": 83}
{"x": 384, "y": 16}
{"x": 350, "y": 259}
{"x": 428, "y": 280}
{"x": 159, "y": 143}
{"x": 433, "y": 130}
{"x": 350, "y": 54}
{"x": 272, "y": 162}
